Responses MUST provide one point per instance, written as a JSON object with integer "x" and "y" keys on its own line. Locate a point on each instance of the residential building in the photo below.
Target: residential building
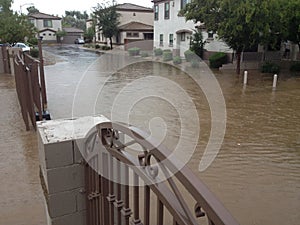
{"x": 47, "y": 25}
{"x": 136, "y": 24}
{"x": 172, "y": 30}
{"x": 71, "y": 34}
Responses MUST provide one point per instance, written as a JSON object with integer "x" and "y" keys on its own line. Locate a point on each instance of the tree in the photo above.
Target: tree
{"x": 14, "y": 27}
{"x": 241, "y": 24}
{"x": 197, "y": 43}
{"x": 107, "y": 20}
{"x": 292, "y": 15}
{"x": 32, "y": 9}
{"x": 75, "y": 19}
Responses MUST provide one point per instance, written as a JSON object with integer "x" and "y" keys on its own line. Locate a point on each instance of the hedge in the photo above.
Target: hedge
{"x": 158, "y": 52}
{"x": 34, "y": 52}
{"x": 177, "y": 60}
{"x": 190, "y": 56}
{"x": 134, "y": 51}
{"x": 167, "y": 56}
{"x": 295, "y": 67}
{"x": 269, "y": 67}
{"x": 216, "y": 60}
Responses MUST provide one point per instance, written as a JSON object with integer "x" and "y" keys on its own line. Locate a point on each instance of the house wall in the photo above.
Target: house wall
{"x": 175, "y": 23}
{"x": 143, "y": 17}
{"x": 48, "y": 35}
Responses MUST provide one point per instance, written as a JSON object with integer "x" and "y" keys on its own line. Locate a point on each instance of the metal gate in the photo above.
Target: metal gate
{"x": 131, "y": 179}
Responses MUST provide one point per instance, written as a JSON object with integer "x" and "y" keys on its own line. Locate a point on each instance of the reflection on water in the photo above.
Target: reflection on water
{"x": 256, "y": 173}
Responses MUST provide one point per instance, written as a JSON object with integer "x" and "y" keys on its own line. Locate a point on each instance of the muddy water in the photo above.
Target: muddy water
{"x": 21, "y": 198}
{"x": 256, "y": 173}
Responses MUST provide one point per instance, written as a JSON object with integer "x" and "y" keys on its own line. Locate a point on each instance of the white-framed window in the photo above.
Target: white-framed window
{"x": 156, "y": 11}
{"x": 48, "y": 23}
{"x": 167, "y": 10}
{"x": 182, "y": 36}
{"x": 171, "y": 40}
{"x": 161, "y": 40}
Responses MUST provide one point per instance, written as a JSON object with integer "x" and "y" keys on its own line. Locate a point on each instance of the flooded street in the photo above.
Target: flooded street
{"x": 256, "y": 172}
{"x": 21, "y": 195}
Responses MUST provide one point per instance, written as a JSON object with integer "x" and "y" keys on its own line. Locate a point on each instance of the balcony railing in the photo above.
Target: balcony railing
{"x": 131, "y": 179}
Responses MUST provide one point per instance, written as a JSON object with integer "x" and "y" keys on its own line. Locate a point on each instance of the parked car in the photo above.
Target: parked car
{"x": 79, "y": 41}
{"x": 24, "y": 47}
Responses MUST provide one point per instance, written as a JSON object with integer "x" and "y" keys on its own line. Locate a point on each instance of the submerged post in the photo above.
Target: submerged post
{"x": 245, "y": 77}
{"x": 275, "y": 81}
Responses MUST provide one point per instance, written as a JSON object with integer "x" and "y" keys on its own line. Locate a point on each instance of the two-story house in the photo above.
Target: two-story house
{"x": 136, "y": 24}
{"x": 172, "y": 31}
{"x": 47, "y": 25}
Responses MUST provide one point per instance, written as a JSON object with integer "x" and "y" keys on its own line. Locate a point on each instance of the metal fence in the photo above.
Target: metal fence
{"x": 146, "y": 186}
{"x": 30, "y": 88}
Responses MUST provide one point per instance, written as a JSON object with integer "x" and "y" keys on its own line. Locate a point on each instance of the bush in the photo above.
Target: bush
{"x": 34, "y": 52}
{"x": 158, "y": 52}
{"x": 269, "y": 67}
{"x": 97, "y": 46}
{"x": 217, "y": 60}
{"x": 144, "y": 54}
{"x": 195, "y": 64}
{"x": 32, "y": 41}
{"x": 134, "y": 51}
{"x": 189, "y": 56}
{"x": 105, "y": 48}
{"x": 295, "y": 67}
{"x": 177, "y": 60}
{"x": 167, "y": 56}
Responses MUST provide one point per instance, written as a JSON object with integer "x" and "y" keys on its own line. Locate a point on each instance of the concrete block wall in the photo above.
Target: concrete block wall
{"x": 62, "y": 168}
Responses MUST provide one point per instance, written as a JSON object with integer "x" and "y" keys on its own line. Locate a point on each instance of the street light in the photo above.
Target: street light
{"x": 29, "y": 4}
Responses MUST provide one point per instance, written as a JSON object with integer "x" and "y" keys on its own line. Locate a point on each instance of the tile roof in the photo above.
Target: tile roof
{"x": 133, "y": 7}
{"x": 135, "y": 26}
{"x": 40, "y": 15}
{"x": 72, "y": 30}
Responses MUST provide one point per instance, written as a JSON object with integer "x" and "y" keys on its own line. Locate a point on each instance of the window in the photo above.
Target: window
{"x": 155, "y": 12}
{"x": 50, "y": 34}
{"x": 129, "y": 34}
{"x": 182, "y": 38}
{"x": 161, "y": 40}
{"x": 183, "y": 3}
{"x": 167, "y": 10}
{"x": 171, "y": 39}
{"x": 47, "y": 23}
{"x": 210, "y": 35}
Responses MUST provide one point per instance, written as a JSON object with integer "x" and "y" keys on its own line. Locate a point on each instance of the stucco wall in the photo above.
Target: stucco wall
{"x": 142, "y": 17}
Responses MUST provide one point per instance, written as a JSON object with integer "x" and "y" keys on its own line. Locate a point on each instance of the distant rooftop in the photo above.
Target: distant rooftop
{"x": 136, "y": 26}
{"x": 40, "y": 15}
{"x": 132, "y": 7}
{"x": 72, "y": 30}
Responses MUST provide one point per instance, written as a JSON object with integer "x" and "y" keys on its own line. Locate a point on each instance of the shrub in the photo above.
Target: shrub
{"x": 167, "y": 56}
{"x": 189, "y": 55}
{"x": 144, "y": 54}
{"x": 34, "y": 52}
{"x": 216, "y": 60}
{"x": 269, "y": 67}
{"x": 177, "y": 60}
{"x": 158, "y": 52}
{"x": 134, "y": 51}
{"x": 195, "y": 64}
{"x": 295, "y": 67}
{"x": 105, "y": 48}
{"x": 32, "y": 41}
{"x": 97, "y": 46}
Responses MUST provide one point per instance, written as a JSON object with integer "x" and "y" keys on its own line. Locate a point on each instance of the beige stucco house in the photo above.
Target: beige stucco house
{"x": 136, "y": 24}
{"x": 47, "y": 25}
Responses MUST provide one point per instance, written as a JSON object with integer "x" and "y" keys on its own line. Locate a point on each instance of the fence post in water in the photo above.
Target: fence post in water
{"x": 275, "y": 81}
{"x": 245, "y": 77}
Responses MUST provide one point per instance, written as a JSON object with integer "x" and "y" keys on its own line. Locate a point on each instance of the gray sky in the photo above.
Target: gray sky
{"x": 58, "y": 7}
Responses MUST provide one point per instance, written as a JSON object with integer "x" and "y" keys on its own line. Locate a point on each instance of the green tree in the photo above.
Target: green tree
{"x": 107, "y": 20}
{"x": 241, "y": 24}
{"x": 14, "y": 27}
{"x": 32, "y": 9}
{"x": 197, "y": 43}
{"x": 75, "y": 19}
{"x": 292, "y": 15}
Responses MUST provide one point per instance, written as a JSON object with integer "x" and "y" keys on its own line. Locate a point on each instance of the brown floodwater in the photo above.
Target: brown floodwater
{"x": 256, "y": 172}
{"x": 21, "y": 198}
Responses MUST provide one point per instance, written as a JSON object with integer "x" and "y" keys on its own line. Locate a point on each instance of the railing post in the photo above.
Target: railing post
{"x": 42, "y": 75}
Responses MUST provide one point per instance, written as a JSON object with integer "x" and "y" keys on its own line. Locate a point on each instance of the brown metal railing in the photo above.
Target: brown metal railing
{"x": 29, "y": 89}
{"x": 122, "y": 181}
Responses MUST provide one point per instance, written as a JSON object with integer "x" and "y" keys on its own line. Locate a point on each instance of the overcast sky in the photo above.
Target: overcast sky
{"x": 58, "y": 7}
